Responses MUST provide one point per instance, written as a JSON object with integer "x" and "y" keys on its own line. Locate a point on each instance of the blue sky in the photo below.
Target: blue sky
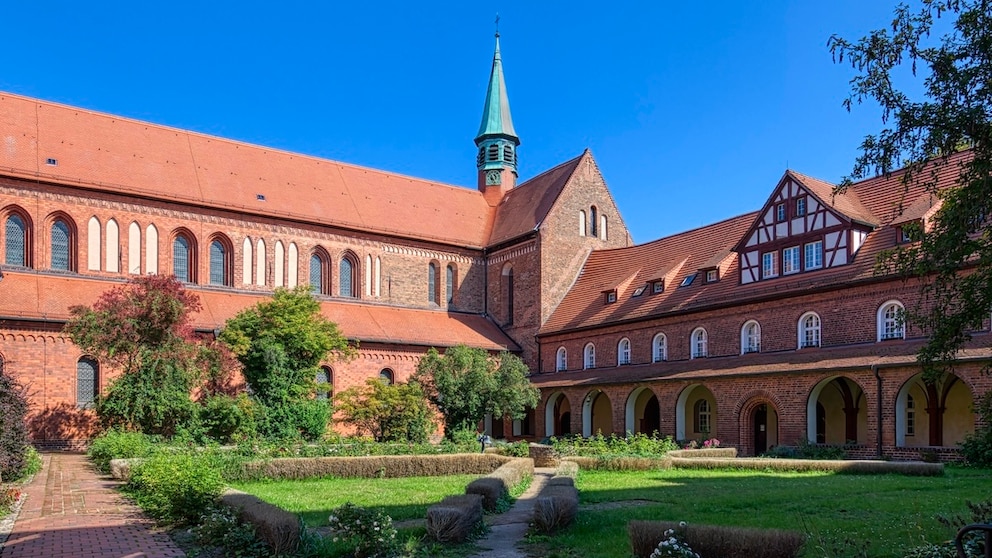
{"x": 693, "y": 112}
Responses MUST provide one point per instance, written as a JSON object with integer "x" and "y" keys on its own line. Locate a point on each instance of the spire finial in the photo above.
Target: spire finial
{"x": 497, "y": 25}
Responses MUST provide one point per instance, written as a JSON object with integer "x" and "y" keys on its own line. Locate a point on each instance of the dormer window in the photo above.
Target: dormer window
{"x": 658, "y": 287}
{"x": 688, "y": 280}
{"x": 639, "y": 291}
{"x": 712, "y": 275}
{"x": 801, "y": 206}
{"x": 611, "y": 296}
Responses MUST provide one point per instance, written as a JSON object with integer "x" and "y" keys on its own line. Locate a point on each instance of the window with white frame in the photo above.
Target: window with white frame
{"x": 780, "y": 212}
{"x": 751, "y": 337}
{"x": 659, "y": 348}
{"x": 790, "y": 260}
{"x": 890, "y": 321}
{"x": 769, "y": 264}
{"x": 814, "y": 254}
{"x": 589, "y": 356}
{"x": 623, "y": 352}
{"x": 561, "y": 360}
{"x": 699, "y": 349}
{"x": 701, "y": 416}
{"x": 800, "y": 206}
{"x": 809, "y": 330}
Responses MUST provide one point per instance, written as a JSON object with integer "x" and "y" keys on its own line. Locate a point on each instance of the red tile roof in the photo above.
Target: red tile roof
{"x": 884, "y": 198}
{"x": 803, "y": 361}
{"x": 114, "y": 154}
{"x": 32, "y": 295}
{"x": 524, "y": 208}
{"x": 844, "y": 202}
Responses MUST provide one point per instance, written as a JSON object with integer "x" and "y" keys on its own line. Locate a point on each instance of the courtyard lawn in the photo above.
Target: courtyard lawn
{"x": 841, "y": 513}
{"x": 401, "y": 498}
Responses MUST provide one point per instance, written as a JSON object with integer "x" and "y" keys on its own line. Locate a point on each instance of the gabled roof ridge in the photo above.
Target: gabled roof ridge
{"x": 857, "y": 210}
{"x": 681, "y": 233}
{"x": 533, "y": 179}
{"x": 204, "y": 135}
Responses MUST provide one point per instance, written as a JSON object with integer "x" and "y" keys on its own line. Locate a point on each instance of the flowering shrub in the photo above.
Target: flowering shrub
{"x": 220, "y": 527}
{"x": 370, "y": 533}
{"x": 706, "y": 444}
{"x": 673, "y": 545}
{"x": 9, "y": 497}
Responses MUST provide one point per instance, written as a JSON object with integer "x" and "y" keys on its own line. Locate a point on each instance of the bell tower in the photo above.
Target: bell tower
{"x": 496, "y": 140}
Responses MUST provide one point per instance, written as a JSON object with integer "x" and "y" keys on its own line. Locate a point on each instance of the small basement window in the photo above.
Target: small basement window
{"x": 688, "y": 279}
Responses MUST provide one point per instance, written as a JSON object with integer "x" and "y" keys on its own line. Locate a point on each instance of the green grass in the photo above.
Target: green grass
{"x": 401, "y": 498}
{"x": 888, "y": 512}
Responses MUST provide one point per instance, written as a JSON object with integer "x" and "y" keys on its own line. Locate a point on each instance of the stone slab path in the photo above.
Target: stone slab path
{"x": 509, "y": 528}
{"x": 69, "y": 509}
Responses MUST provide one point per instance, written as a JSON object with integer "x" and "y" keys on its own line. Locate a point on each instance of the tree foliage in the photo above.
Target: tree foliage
{"x": 280, "y": 344}
{"x": 953, "y": 112}
{"x": 386, "y": 412}
{"x": 13, "y": 428}
{"x": 143, "y": 327}
{"x": 465, "y": 384}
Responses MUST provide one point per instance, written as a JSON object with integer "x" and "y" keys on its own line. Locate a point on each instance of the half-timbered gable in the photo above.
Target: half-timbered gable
{"x": 804, "y": 226}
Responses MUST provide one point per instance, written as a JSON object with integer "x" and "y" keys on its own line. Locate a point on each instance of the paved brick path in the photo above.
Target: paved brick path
{"x": 72, "y": 510}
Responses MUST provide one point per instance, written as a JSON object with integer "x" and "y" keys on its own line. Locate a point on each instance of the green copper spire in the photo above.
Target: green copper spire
{"x": 496, "y": 119}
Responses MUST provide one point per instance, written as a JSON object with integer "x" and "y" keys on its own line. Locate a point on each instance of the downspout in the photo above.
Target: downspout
{"x": 540, "y": 361}
{"x": 878, "y": 394}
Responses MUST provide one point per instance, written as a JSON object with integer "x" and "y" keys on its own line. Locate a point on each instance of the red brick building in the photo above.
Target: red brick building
{"x": 760, "y": 330}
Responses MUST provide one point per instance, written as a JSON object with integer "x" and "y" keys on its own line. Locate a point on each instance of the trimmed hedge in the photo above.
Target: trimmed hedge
{"x": 557, "y": 505}
{"x": 497, "y": 485}
{"x": 620, "y": 463}
{"x": 382, "y": 466}
{"x": 705, "y": 453}
{"x": 865, "y": 467}
{"x": 455, "y": 518}
{"x": 713, "y": 541}
{"x": 279, "y": 528}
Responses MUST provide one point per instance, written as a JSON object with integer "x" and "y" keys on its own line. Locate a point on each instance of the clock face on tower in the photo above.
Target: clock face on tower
{"x": 493, "y": 178}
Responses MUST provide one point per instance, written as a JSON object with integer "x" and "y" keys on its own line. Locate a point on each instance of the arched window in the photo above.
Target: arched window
{"x": 589, "y": 356}
{"x": 809, "y": 330}
{"x": 16, "y": 245}
{"x": 347, "y": 273}
{"x": 151, "y": 250}
{"x": 582, "y": 223}
{"x": 93, "y": 244}
{"x": 87, "y": 382}
{"x": 134, "y": 249}
{"x": 701, "y": 414}
{"x": 377, "y": 277}
{"x": 750, "y": 337}
{"x": 261, "y": 270}
{"x": 561, "y": 360}
{"x": 247, "y": 262}
{"x": 319, "y": 276}
{"x": 293, "y": 269}
{"x": 113, "y": 248}
{"x": 219, "y": 263}
{"x": 61, "y": 246}
{"x": 890, "y": 321}
{"x": 593, "y": 221}
{"x": 449, "y": 284}
{"x": 602, "y": 227}
{"x": 432, "y": 290}
{"x": 183, "y": 262}
{"x": 699, "y": 342}
{"x": 279, "y": 265}
{"x": 659, "y": 348}
{"x": 325, "y": 381}
{"x": 368, "y": 275}
{"x": 623, "y": 352}
{"x": 386, "y": 375}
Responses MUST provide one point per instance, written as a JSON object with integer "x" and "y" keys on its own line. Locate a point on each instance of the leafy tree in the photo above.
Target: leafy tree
{"x": 280, "y": 344}
{"x": 465, "y": 384}
{"x": 954, "y": 111}
{"x": 13, "y": 428}
{"x": 386, "y": 412}
{"x": 143, "y": 327}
